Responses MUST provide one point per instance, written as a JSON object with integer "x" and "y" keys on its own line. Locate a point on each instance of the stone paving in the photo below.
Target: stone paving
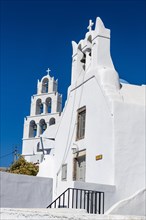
{"x": 60, "y": 214}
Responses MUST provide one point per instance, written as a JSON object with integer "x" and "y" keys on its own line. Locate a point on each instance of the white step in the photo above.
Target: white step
{"x": 60, "y": 214}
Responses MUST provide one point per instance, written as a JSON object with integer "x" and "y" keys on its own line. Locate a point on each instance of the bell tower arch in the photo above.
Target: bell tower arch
{"x": 45, "y": 109}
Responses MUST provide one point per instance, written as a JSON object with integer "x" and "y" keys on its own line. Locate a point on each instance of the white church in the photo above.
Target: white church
{"x": 97, "y": 142}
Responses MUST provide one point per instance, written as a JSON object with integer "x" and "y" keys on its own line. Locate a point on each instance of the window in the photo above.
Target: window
{"x": 79, "y": 165}
{"x": 81, "y": 118}
{"x": 64, "y": 172}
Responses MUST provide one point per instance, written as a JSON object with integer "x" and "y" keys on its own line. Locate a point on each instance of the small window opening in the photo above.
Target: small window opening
{"x": 49, "y": 105}
{"x": 64, "y": 172}
{"x": 32, "y": 129}
{"x": 43, "y": 126}
{"x": 45, "y": 85}
{"x": 39, "y": 107}
{"x": 81, "y": 120}
{"x": 83, "y": 60}
{"x": 90, "y": 39}
{"x": 52, "y": 121}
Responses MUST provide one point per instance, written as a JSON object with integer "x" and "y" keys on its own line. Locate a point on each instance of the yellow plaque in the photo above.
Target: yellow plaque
{"x": 99, "y": 157}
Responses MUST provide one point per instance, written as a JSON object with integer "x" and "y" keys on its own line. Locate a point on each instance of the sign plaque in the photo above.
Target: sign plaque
{"x": 99, "y": 157}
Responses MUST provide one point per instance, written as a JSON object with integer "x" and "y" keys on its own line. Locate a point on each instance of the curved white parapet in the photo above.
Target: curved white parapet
{"x": 134, "y": 205}
{"x": 109, "y": 78}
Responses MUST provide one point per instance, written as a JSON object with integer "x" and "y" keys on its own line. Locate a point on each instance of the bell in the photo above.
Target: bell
{"x": 44, "y": 127}
{"x": 83, "y": 60}
{"x": 35, "y": 127}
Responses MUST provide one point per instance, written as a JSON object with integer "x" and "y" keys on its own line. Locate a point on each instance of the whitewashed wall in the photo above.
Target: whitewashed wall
{"x": 115, "y": 119}
{"x": 98, "y": 126}
{"x": 133, "y": 205}
{"x": 130, "y": 157}
{"x": 22, "y": 191}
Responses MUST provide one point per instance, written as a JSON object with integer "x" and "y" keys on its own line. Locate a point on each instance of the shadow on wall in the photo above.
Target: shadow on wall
{"x": 134, "y": 205}
{"x": 22, "y": 191}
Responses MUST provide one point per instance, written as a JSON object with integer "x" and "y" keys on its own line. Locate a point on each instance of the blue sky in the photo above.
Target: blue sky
{"x": 37, "y": 34}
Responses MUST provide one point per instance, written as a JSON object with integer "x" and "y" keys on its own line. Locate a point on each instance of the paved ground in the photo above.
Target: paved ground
{"x": 58, "y": 214}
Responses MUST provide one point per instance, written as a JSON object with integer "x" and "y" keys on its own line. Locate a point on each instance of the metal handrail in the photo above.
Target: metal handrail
{"x": 91, "y": 200}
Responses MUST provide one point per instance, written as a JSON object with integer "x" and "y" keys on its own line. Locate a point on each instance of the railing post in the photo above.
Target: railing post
{"x": 63, "y": 199}
{"x": 68, "y": 197}
{"x": 88, "y": 201}
{"x": 95, "y": 211}
{"x": 80, "y": 198}
{"x": 91, "y": 203}
{"x": 76, "y": 198}
{"x": 59, "y": 201}
{"x": 103, "y": 203}
{"x": 72, "y": 198}
{"x": 99, "y": 205}
{"x": 84, "y": 199}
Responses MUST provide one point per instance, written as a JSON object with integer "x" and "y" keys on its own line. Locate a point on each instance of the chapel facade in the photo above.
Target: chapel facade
{"x": 98, "y": 142}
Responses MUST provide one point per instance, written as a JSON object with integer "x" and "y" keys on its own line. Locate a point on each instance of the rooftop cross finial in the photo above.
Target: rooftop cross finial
{"x": 48, "y": 71}
{"x": 90, "y": 25}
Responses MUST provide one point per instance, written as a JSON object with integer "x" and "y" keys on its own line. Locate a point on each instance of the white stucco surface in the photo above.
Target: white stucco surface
{"x": 134, "y": 205}
{"x": 108, "y": 190}
{"x": 64, "y": 214}
{"x": 130, "y": 151}
{"x": 115, "y": 122}
{"x": 133, "y": 93}
{"x": 46, "y": 168}
{"x": 23, "y": 191}
{"x": 114, "y": 126}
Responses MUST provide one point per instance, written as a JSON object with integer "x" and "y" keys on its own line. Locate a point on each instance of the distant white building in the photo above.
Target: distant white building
{"x": 98, "y": 141}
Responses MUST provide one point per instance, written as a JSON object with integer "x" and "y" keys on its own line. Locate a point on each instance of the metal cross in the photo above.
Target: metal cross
{"x": 48, "y": 71}
{"x": 90, "y": 25}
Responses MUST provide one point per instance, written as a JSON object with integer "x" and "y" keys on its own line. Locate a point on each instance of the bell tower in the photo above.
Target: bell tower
{"x": 45, "y": 110}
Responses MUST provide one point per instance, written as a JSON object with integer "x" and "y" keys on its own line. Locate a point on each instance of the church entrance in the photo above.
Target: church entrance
{"x": 79, "y": 166}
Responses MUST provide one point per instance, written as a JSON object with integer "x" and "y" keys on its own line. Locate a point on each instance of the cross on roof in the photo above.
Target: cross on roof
{"x": 48, "y": 71}
{"x": 90, "y": 25}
